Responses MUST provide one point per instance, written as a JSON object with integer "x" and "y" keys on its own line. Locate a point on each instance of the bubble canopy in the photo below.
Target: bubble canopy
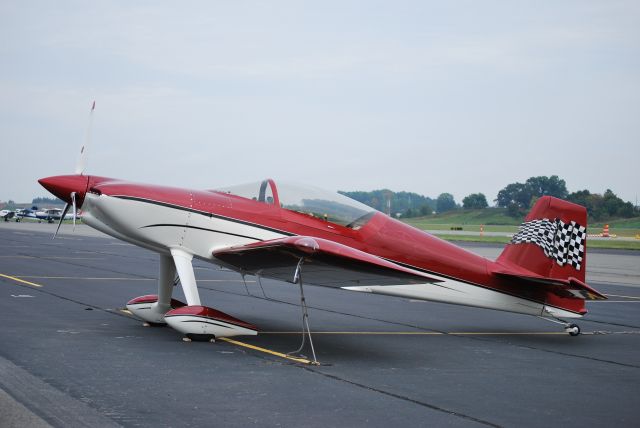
{"x": 310, "y": 200}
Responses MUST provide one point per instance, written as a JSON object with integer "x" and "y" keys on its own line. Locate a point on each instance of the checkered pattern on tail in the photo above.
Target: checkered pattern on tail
{"x": 563, "y": 242}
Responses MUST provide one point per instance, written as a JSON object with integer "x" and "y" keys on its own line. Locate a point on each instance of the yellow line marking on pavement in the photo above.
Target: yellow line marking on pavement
{"x": 20, "y": 280}
{"x": 69, "y": 258}
{"x": 126, "y": 311}
{"x": 17, "y": 257}
{"x": 86, "y": 278}
{"x": 381, "y": 333}
{"x": 524, "y": 333}
{"x": 50, "y": 257}
{"x": 626, "y": 297}
{"x": 109, "y": 278}
{"x": 419, "y": 333}
{"x": 266, "y": 351}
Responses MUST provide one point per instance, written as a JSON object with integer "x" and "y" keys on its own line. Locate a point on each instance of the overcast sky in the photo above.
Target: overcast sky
{"x": 429, "y": 97}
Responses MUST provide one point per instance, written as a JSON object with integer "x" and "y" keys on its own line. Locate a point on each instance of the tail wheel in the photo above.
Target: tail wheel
{"x": 573, "y": 329}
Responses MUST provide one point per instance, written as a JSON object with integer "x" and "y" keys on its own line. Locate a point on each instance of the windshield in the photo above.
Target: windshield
{"x": 308, "y": 200}
{"x": 323, "y": 204}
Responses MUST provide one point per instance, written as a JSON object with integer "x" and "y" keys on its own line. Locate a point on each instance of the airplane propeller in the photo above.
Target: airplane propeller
{"x": 80, "y": 168}
{"x": 82, "y": 158}
{"x": 64, "y": 213}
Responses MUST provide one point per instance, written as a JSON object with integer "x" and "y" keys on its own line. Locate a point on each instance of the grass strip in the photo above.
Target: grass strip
{"x": 608, "y": 244}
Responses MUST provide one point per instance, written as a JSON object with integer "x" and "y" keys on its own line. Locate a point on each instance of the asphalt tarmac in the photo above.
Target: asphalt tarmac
{"x": 70, "y": 356}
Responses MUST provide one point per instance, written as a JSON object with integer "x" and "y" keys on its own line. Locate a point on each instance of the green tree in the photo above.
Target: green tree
{"x": 517, "y": 194}
{"x": 547, "y": 186}
{"x": 445, "y": 202}
{"x": 611, "y": 202}
{"x": 581, "y": 197}
{"x": 475, "y": 201}
{"x": 517, "y": 197}
{"x": 603, "y": 207}
{"x": 426, "y": 209}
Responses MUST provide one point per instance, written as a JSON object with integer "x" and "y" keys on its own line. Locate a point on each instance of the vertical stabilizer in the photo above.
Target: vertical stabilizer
{"x": 551, "y": 242}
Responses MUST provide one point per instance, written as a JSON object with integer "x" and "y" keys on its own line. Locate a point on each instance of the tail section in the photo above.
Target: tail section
{"x": 551, "y": 242}
{"x": 548, "y": 255}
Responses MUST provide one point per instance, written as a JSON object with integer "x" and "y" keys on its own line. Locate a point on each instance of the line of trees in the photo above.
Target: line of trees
{"x": 408, "y": 204}
{"x": 517, "y": 198}
{"x": 603, "y": 207}
{"x": 12, "y": 205}
{"x": 47, "y": 201}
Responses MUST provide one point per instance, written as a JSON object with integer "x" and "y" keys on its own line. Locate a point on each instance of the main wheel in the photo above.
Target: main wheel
{"x": 573, "y": 329}
{"x": 201, "y": 337}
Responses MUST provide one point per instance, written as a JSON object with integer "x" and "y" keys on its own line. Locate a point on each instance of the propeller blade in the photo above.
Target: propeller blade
{"x": 82, "y": 159}
{"x": 73, "y": 201}
{"x": 64, "y": 212}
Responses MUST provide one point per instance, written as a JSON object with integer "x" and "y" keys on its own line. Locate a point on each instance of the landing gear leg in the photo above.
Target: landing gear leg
{"x": 199, "y": 322}
{"x": 184, "y": 267}
{"x": 306, "y": 331}
{"x": 152, "y": 308}
{"x": 572, "y": 329}
{"x": 166, "y": 280}
{"x": 182, "y": 261}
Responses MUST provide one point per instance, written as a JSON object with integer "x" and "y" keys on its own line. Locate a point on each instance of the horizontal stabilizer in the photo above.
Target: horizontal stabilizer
{"x": 325, "y": 263}
{"x": 570, "y": 287}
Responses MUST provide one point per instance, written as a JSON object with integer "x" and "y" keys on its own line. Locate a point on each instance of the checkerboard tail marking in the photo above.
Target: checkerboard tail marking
{"x": 563, "y": 242}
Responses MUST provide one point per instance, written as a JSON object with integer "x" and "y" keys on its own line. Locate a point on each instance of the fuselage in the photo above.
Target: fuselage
{"x": 200, "y": 222}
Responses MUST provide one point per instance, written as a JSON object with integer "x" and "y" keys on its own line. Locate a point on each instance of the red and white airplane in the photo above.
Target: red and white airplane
{"x": 303, "y": 234}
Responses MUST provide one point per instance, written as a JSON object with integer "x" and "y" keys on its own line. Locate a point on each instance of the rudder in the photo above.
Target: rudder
{"x": 551, "y": 242}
